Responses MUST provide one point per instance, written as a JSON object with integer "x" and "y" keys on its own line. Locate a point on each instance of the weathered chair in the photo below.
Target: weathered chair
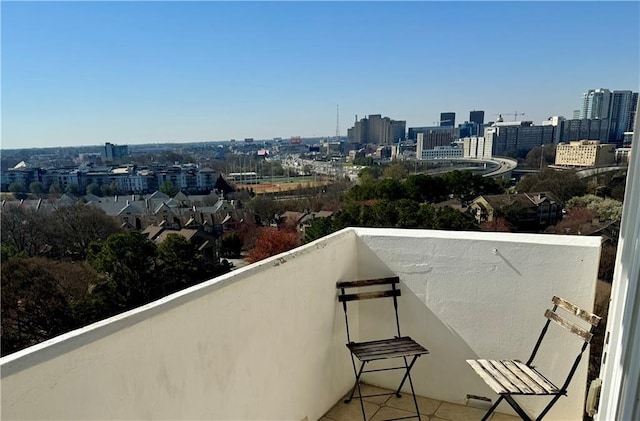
{"x": 396, "y": 347}
{"x": 510, "y": 378}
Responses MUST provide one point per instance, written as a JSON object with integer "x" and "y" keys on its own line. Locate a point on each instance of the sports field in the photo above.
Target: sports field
{"x": 281, "y": 186}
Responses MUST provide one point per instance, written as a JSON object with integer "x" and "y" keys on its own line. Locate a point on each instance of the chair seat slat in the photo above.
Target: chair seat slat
{"x": 502, "y": 367}
{"x": 488, "y": 379}
{"x": 388, "y": 348}
{"x": 550, "y": 388}
{"x": 504, "y": 381}
{"x": 368, "y": 282}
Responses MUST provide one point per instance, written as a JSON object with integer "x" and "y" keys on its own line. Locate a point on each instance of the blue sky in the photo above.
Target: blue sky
{"x": 83, "y": 73}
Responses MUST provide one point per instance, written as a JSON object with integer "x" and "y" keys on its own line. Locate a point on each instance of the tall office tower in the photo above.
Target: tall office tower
{"x": 377, "y": 130}
{"x": 595, "y": 104}
{"x": 476, "y": 117}
{"x": 447, "y": 119}
{"x": 634, "y": 110}
{"x": 623, "y": 104}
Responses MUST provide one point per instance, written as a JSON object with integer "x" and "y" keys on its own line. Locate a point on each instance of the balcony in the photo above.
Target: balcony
{"x": 267, "y": 341}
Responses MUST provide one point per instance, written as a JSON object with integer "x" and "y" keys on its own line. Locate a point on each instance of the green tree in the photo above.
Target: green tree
{"x": 18, "y": 190}
{"x": 168, "y": 188}
{"x": 395, "y": 171}
{"x": 36, "y": 188}
{"x": 231, "y": 245}
{"x": 564, "y": 184}
{"x": 319, "y": 228}
{"x": 73, "y": 189}
{"x": 447, "y": 218}
{"x": 180, "y": 264}
{"x": 54, "y": 189}
{"x": 128, "y": 261}
{"x": 93, "y": 188}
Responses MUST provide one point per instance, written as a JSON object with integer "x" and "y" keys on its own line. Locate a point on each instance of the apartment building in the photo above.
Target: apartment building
{"x": 585, "y": 153}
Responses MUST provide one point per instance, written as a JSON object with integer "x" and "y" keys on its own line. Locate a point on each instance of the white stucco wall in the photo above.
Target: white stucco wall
{"x": 267, "y": 341}
{"x": 264, "y": 342}
{"x": 481, "y": 295}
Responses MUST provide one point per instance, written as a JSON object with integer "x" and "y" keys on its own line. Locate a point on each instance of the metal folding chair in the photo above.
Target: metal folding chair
{"x": 510, "y": 378}
{"x": 397, "y": 347}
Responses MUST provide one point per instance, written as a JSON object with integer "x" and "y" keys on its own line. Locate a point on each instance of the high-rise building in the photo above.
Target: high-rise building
{"x": 111, "y": 152}
{"x": 447, "y": 119}
{"x": 594, "y": 129}
{"x": 622, "y": 114}
{"x": 595, "y": 104}
{"x": 377, "y": 130}
{"x": 477, "y": 117}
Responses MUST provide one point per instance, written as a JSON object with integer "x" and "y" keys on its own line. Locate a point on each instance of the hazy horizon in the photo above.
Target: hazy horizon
{"x": 85, "y": 73}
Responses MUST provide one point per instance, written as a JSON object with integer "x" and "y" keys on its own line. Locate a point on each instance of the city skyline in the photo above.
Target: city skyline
{"x": 89, "y": 73}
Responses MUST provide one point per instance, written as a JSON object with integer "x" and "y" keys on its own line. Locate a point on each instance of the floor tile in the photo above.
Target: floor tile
{"x": 386, "y": 413}
{"x": 351, "y": 411}
{"x": 497, "y": 416}
{"x": 373, "y": 390}
{"x": 453, "y": 412}
{"x": 427, "y": 406}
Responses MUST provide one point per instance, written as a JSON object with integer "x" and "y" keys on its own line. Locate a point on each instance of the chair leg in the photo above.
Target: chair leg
{"x": 413, "y": 392}
{"x": 517, "y": 408}
{"x": 358, "y": 373}
{"x": 493, "y": 408}
{"x": 406, "y": 374}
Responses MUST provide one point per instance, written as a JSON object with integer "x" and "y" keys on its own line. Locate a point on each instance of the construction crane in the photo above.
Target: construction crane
{"x": 515, "y": 115}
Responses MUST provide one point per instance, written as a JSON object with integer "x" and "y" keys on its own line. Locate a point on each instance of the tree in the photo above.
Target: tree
{"x": 168, "y": 188}
{"x": 319, "y": 228}
{"x": 23, "y": 229}
{"x": 180, "y": 265}
{"x": 564, "y": 184}
{"x": 272, "y": 241}
{"x": 109, "y": 189}
{"x": 447, "y": 218}
{"x": 54, "y": 189}
{"x": 605, "y": 208}
{"x": 395, "y": 171}
{"x": 231, "y": 245}
{"x": 42, "y": 298}
{"x": 94, "y": 189}
{"x": 36, "y": 188}
{"x": 222, "y": 185}
{"x": 18, "y": 190}
{"x": 498, "y": 224}
{"x": 73, "y": 189}
{"x": 128, "y": 261}
{"x": 70, "y": 230}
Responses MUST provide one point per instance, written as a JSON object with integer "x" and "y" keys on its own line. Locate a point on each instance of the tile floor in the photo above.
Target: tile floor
{"x": 384, "y": 407}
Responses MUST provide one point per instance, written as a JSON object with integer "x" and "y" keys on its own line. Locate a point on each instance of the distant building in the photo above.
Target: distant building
{"x": 447, "y": 119}
{"x": 518, "y": 138}
{"x": 112, "y": 152}
{"x": 440, "y": 152}
{"x": 622, "y": 114}
{"x": 585, "y": 153}
{"x": 528, "y": 211}
{"x": 622, "y": 156}
{"x": 477, "y": 117}
{"x": 477, "y": 147}
{"x": 377, "y": 130}
{"x": 595, "y": 129}
{"x": 430, "y": 137}
{"x": 595, "y": 104}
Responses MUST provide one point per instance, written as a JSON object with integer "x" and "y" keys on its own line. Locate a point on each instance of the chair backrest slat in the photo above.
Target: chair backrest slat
{"x": 570, "y": 326}
{"x": 368, "y": 282}
{"x": 368, "y": 295}
{"x": 590, "y": 318}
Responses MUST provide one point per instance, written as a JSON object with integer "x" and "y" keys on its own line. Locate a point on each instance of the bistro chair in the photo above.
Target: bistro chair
{"x": 397, "y": 347}
{"x": 509, "y": 378}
